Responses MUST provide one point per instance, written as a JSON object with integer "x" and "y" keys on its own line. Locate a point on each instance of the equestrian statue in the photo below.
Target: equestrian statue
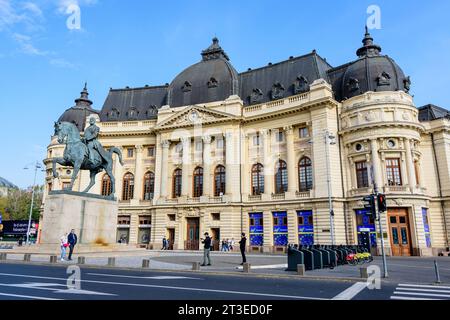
{"x": 84, "y": 153}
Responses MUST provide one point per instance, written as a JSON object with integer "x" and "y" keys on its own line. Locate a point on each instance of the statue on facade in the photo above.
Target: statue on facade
{"x": 84, "y": 153}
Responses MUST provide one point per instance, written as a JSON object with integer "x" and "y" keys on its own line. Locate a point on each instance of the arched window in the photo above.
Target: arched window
{"x": 257, "y": 179}
{"x": 219, "y": 181}
{"x": 149, "y": 186}
{"x": 281, "y": 178}
{"x": 176, "y": 183}
{"x": 106, "y": 185}
{"x": 305, "y": 174}
{"x": 198, "y": 182}
{"x": 128, "y": 187}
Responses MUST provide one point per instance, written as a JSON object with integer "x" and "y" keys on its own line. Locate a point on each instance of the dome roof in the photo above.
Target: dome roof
{"x": 212, "y": 79}
{"x": 372, "y": 72}
{"x": 6, "y": 184}
{"x": 78, "y": 113}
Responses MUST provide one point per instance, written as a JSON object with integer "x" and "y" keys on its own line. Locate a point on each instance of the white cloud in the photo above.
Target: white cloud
{"x": 8, "y": 16}
{"x": 33, "y": 8}
{"x": 62, "y": 63}
{"x": 26, "y": 45}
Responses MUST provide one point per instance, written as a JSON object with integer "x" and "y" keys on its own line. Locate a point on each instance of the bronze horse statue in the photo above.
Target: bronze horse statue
{"x": 76, "y": 155}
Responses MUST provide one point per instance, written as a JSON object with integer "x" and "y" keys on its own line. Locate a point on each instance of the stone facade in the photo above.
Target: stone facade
{"x": 379, "y": 141}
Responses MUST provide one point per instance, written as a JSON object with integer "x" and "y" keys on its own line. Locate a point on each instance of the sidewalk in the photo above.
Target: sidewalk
{"x": 401, "y": 270}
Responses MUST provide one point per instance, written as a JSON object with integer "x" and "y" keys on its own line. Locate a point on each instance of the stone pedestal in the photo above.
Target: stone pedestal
{"x": 93, "y": 217}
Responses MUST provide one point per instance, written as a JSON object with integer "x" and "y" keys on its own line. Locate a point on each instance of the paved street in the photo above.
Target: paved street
{"x": 36, "y": 282}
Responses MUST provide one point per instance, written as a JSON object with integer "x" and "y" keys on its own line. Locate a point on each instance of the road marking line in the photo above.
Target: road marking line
{"x": 271, "y": 266}
{"x": 26, "y": 297}
{"x": 351, "y": 292}
{"x": 171, "y": 288}
{"x": 423, "y": 286}
{"x": 136, "y": 277}
{"x": 48, "y": 287}
{"x": 410, "y": 298}
{"x": 424, "y": 290}
{"x": 422, "y": 294}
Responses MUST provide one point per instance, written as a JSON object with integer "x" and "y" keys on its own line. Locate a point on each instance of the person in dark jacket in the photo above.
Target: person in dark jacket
{"x": 207, "y": 249}
{"x": 72, "y": 239}
{"x": 243, "y": 246}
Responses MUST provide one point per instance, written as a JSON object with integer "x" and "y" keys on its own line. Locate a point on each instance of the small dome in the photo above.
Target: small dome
{"x": 212, "y": 79}
{"x": 6, "y": 184}
{"x": 78, "y": 113}
{"x": 372, "y": 72}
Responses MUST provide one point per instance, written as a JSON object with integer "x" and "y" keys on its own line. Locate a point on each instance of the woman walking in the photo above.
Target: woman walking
{"x": 64, "y": 245}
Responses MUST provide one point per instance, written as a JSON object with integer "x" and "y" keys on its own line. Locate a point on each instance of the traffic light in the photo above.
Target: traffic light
{"x": 382, "y": 203}
{"x": 369, "y": 205}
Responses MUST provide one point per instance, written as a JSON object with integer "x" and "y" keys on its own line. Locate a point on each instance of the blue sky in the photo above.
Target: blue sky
{"x": 133, "y": 43}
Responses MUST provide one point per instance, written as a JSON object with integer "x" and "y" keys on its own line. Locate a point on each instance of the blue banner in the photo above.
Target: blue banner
{"x": 19, "y": 228}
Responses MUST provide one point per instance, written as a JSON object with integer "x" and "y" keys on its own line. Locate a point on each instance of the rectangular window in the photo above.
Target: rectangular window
{"x": 362, "y": 177}
{"x": 305, "y": 228}
{"x": 426, "y": 227}
{"x": 171, "y": 217}
{"x": 303, "y": 132}
{"x": 130, "y": 152}
{"x": 151, "y": 151}
{"x": 65, "y": 185}
{"x": 215, "y": 216}
{"x": 393, "y": 172}
{"x": 280, "y": 229}
{"x": 256, "y": 140}
{"x": 124, "y": 220}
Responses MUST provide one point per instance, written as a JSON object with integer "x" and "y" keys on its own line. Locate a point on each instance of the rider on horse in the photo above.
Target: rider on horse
{"x": 90, "y": 139}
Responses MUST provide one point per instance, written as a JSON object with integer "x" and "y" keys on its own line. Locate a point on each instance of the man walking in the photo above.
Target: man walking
{"x": 72, "y": 239}
{"x": 207, "y": 249}
{"x": 243, "y": 246}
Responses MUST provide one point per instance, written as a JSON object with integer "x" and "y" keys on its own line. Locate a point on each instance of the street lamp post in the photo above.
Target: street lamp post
{"x": 36, "y": 167}
{"x": 330, "y": 140}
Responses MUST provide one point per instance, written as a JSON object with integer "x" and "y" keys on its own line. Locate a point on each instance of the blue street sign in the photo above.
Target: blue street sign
{"x": 0, "y": 218}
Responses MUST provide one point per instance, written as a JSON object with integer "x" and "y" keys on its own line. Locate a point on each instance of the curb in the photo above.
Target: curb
{"x": 211, "y": 273}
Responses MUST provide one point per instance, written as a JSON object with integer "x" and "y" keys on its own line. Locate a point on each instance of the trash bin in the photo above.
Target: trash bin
{"x": 295, "y": 257}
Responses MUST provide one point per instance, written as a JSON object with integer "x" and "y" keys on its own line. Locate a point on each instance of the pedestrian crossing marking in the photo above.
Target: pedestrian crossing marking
{"x": 421, "y": 292}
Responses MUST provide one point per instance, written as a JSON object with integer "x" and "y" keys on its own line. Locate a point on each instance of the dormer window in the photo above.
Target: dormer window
{"x": 187, "y": 87}
{"x": 353, "y": 85}
{"x": 132, "y": 114}
{"x": 113, "y": 114}
{"x": 384, "y": 79}
{"x": 213, "y": 83}
{"x": 256, "y": 96}
{"x": 277, "y": 91}
{"x": 152, "y": 111}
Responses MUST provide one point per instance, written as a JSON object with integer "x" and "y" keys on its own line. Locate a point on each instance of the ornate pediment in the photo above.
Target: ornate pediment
{"x": 195, "y": 115}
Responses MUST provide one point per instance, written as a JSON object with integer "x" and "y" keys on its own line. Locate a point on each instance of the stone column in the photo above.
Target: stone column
{"x": 245, "y": 167}
{"x": 118, "y": 175}
{"x": 268, "y": 231}
{"x": 165, "y": 144}
{"x": 139, "y": 174}
{"x": 292, "y": 180}
{"x": 376, "y": 168}
{"x": 268, "y": 165}
{"x": 410, "y": 166}
{"x": 186, "y": 166}
{"x": 207, "y": 162}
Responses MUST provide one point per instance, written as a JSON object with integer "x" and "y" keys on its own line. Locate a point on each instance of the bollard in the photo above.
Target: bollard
{"x": 196, "y": 266}
{"x": 301, "y": 269}
{"x": 81, "y": 260}
{"x": 53, "y": 259}
{"x": 27, "y": 257}
{"x": 436, "y": 269}
{"x": 111, "y": 262}
{"x": 145, "y": 263}
{"x": 247, "y": 267}
{"x": 3, "y": 256}
{"x": 364, "y": 273}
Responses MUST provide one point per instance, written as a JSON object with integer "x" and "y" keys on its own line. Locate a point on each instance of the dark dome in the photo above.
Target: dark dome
{"x": 372, "y": 72}
{"x": 212, "y": 79}
{"x": 78, "y": 113}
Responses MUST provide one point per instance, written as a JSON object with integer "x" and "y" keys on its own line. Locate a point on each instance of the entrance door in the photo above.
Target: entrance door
{"x": 399, "y": 230}
{"x": 171, "y": 238}
{"x": 193, "y": 234}
{"x": 215, "y": 236}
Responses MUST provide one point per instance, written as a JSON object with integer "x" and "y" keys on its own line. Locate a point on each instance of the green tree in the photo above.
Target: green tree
{"x": 16, "y": 206}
